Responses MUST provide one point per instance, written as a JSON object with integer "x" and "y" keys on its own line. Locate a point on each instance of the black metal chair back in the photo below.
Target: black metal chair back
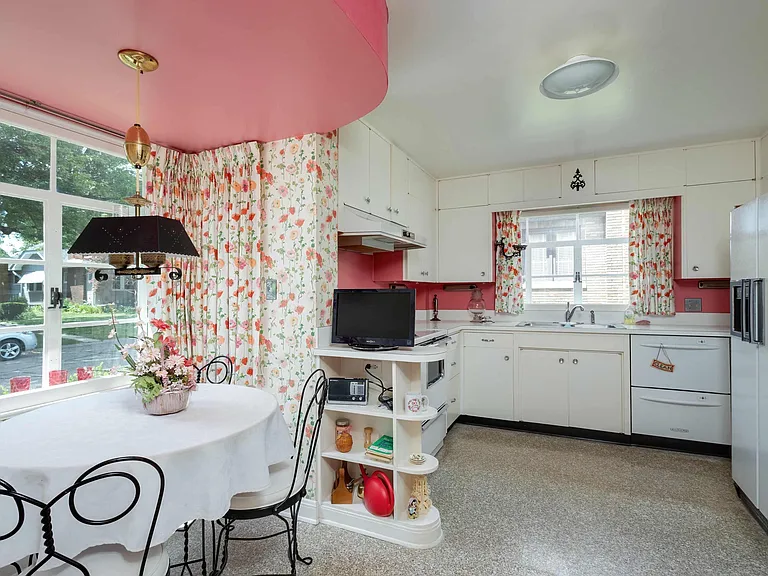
{"x": 218, "y": 371}
{"x": 310, "y": 418}
{"x": 85, "y": 479}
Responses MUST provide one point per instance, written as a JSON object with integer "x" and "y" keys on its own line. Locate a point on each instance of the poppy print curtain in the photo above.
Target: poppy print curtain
{"x": 650, "y": 257}
{"x": 509, "y": 270}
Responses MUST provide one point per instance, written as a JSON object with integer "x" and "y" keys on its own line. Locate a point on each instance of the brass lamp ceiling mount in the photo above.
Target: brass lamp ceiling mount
{"x": 138, "y": 60}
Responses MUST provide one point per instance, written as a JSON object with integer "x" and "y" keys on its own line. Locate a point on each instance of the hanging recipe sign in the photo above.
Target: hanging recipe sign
{"x": 667, "y": 366}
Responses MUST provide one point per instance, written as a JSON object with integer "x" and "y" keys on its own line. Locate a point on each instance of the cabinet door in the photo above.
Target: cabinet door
{"x": 662, "y": 169}
{"x": 354, "y": 163}
{"x": 454, "y": 398}
{"x": 464, "y": 245}
{"x": 706, "y": 217}
{"x": 379, "y": 179}
{"x": 542, "y": 183}
{"x": 720, "y": 163}
{"x": 595, "y": 391}
{"x": 398, "y": 195}
{"x": 463, "y": 192}
{"x": 505, "y": 187}
{"x": 616, "y": 174}
{"x": 487, "y": 384}
{"x": 543, "y": 386}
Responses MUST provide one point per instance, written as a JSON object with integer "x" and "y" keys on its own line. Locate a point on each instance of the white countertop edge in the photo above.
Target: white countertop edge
{"x": 415, "y": 355}
{"x": 454, "y": 327}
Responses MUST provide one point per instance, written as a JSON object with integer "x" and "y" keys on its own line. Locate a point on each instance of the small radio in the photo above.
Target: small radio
{"x": 347, "y": 391}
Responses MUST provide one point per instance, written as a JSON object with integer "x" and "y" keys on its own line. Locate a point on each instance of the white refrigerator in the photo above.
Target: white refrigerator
{"x": 749, "y": 355}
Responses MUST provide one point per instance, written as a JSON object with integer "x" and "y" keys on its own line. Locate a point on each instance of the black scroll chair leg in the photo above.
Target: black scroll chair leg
{"x": 202, "y": 548}
{"x": 306, "y": 560}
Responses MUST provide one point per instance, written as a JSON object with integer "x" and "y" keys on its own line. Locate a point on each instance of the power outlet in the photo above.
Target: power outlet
{"x": 693, "y": 304}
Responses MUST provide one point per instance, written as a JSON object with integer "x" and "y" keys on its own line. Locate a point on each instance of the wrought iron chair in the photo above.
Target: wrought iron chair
{"x": 219, "y": 370}
{"x": 88, "y": 477}
{"x": 288, "y": 482}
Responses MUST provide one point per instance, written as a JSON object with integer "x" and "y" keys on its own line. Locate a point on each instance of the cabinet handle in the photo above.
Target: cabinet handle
{"x": 453, "y": 400}
{"x": 561, "y": 360}
{"x": 389, "y": 208}
{"x": 482, "y": 273}
{"x": 397, "y": 211}
{"x": 487, "y": 340}
{"x": 453, "y": 363}
{"x": 506, "y": 358}
{"x": 427, "y": 272}
{"x": 575, "y": 360}
{"x": 695, "y": 268}
{"x": 367, "y": 199}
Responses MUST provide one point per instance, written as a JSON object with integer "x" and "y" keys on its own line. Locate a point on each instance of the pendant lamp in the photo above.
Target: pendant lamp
{"x": 137, "y": 245}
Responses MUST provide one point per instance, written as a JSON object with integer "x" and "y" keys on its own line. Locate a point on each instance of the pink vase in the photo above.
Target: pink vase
{"x": 20, "y": 383}
{"x": 57, "y": 377}
{"x": 85, "y": 373}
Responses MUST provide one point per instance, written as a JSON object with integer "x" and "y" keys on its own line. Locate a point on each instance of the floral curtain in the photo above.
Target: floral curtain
{"x": 650, "y": 257}
{"x": 509, "y": 271}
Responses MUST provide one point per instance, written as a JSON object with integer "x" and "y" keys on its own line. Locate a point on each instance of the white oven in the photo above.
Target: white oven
{"x": 434, "y": 384}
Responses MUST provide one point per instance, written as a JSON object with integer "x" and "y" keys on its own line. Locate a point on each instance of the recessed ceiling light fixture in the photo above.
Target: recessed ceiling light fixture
{"x": 580, "y": 76}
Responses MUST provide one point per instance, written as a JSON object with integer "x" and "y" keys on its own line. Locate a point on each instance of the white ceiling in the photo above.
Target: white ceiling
{"x": 464, "y": 78}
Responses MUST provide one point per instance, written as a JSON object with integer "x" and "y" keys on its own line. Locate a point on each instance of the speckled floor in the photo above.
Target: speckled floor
{"x": 515, "y": 503}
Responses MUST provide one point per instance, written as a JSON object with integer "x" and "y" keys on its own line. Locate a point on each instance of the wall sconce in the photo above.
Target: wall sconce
{"x": 517, "y": 249}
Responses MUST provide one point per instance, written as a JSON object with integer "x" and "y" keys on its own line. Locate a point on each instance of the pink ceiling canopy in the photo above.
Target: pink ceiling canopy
{"x": 230, "y": 70}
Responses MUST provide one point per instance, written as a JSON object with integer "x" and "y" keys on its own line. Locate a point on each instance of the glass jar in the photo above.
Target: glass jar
{"x": 476, "y": 306}
{"x": 343, "y": 435}
{"x": 629, "y": 315}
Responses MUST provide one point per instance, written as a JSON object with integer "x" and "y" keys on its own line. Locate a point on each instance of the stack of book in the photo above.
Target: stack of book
{"x": 381, "y": 449}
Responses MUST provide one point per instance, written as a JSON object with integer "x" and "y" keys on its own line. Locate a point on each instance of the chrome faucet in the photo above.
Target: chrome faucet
{"x": 569, "y": 312}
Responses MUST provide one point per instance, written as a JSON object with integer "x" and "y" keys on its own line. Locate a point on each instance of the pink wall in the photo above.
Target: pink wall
{"x": 361, "y": 271}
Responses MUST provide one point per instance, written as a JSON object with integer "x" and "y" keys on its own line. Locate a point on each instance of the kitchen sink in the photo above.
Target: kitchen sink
{"x": 570, "y": 325}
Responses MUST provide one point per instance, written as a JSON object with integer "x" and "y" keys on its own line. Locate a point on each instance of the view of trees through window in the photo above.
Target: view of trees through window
{"x": 581, "y": 258}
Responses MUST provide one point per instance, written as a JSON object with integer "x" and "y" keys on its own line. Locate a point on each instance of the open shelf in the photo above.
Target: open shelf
{"x": 427, "y": 468}
{"x": 357, "y": 457}
{"x": 427, "y": 414}
{"x": 364, "y": 409}
{"x": 356, "y": 509}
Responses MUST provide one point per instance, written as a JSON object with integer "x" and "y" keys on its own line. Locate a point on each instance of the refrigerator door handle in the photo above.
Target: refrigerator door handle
{"x": 757, "y": 303}
{"x": 745, "y": 290}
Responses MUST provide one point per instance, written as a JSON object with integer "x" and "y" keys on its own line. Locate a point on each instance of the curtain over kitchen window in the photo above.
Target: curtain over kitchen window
{"x": 650, "y": 257}
{"x": 510, "y": 290}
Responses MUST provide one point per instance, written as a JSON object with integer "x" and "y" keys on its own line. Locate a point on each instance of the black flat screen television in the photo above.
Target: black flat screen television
{"x": 374, "y": 319}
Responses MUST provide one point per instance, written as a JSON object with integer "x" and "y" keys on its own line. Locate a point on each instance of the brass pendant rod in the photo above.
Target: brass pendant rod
{"x": 138, "y": 92}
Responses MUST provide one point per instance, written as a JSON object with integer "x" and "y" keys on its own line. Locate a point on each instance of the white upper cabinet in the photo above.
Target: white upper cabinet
{"x": 420, "y": 265}
{"x": 354, "y": 163}
{"x": 662, "y": 169}
{"x": 464, "y": 245}
{"x": 706, "y": 218}
{"x": 506, "y": 187}
{"x": 618, "y": 174}
{"x": 542, "y": 183}
{"x": 463, "y": 192}
{"x": 764, "y": 160}
{"x": 399, "y": 188}
{"x": 379, "y": 176}
{"x": 730, "y": 162}
{"x": 578, "y": 179}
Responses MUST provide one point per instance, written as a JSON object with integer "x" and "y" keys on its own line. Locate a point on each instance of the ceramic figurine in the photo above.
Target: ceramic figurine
{"x": 413, "y": 508}
{"x": 420, "y": 492}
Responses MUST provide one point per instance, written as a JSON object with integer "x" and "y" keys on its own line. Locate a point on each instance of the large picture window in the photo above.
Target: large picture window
{"x": 51, "y": 185}
{"x": 579, "y": 257}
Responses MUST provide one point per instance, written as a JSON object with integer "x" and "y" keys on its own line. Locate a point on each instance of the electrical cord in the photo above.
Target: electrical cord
{"x": 378, "y": 382}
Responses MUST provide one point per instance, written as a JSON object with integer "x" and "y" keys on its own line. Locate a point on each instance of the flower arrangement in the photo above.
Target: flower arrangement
{"x": 157, "y": 366}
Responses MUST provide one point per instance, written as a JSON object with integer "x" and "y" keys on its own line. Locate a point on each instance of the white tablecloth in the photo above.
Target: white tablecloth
{"x": 221, "y": 445}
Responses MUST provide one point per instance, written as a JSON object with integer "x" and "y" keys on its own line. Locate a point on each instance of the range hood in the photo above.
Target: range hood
{"x": 363, "y": 232}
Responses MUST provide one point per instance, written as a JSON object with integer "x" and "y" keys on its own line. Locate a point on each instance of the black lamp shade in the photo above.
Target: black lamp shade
{"x": 131, "y": 234}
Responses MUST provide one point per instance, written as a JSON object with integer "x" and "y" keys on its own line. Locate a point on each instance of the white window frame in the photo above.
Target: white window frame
{"x": 577, "y": 244}
{"x": 53, "y": 202}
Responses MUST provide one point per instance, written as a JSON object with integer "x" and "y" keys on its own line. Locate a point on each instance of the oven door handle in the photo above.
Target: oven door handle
{"x": 443, "y": 408}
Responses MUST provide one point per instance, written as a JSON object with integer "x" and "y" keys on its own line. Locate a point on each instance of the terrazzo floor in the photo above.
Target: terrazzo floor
{"x": 515, "y": 503}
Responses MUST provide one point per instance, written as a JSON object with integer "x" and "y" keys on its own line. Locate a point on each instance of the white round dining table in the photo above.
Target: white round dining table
{"x": 221, "y": 445}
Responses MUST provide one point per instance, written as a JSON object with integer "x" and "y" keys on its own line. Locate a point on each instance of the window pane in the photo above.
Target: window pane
{"x": 605, "y": 259}
{"x": 551, "y": 261}
{"x": 605, "y": 290}
{"x": 21, "y": 294}
{"x": 24, "y": 157}
{"x": 82, "y": 171}
{"x": 73, "y": 222}
{"x": 559, "y": 228}
{"x": 599, "y": 225}
{"x": 551, "y": 290}
{"x": 21, "y": 367}
{"x": 21, "y": 228}
{"x": 88, "y": 351}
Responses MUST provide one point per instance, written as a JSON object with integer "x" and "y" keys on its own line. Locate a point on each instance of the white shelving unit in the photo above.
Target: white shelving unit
{"x": 402, "y": 371}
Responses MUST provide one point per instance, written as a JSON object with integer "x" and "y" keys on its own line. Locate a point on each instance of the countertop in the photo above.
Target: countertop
{"x": 455, "y": 326}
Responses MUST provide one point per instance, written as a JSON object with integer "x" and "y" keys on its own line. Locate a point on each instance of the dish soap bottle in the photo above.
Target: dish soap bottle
{"x": 629, "y": 315}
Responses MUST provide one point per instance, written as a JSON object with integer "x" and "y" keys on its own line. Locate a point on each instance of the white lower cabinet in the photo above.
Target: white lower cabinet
{"x": 454, "y": 398}
{"x": 595, "y": 391}
{"x": 488, "y": 376}
{"x": 543, "y": 386}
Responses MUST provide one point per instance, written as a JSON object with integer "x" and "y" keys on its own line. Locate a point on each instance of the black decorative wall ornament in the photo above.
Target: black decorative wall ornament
{"x": 578, "y": 181}
{"x": 517, "y": 249}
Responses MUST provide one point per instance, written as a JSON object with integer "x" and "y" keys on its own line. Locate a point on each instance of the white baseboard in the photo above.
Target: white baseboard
{"x": 308, "y": 511}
